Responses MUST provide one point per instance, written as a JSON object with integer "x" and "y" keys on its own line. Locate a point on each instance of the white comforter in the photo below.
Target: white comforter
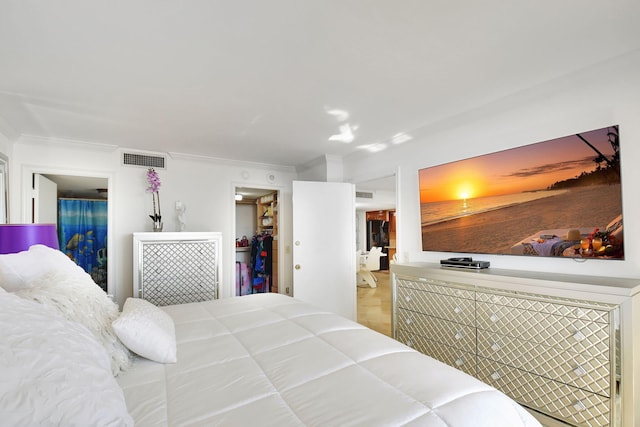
{"x": 270, "y": 360}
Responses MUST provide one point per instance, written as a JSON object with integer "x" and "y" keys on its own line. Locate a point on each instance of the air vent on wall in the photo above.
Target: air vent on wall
{"x": 144, "y": 160}
{"x": 364, "y": 195}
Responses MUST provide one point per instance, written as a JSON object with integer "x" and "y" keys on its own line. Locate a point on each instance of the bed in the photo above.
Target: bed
{"x": 264, "y": 359}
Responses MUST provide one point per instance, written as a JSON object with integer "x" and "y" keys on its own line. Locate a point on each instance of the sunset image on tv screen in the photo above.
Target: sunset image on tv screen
{"x": 558, "y": 198}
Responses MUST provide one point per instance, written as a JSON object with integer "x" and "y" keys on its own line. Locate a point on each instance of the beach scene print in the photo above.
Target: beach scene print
{"x": 543, "y": 199}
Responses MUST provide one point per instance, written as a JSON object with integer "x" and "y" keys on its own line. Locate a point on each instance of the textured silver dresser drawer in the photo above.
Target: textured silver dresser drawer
{"x": 574, "y": 309}
{"x": 438, "y": 287}
{"x": 558, "y": 353}
{"x": 446, "y": 307}
{"x": 566, "y": 333}
{"x": 569, "y": 367}
{"x": 462, "y": 360}
{"x": 450, "y": 333}
{"x": 547, "y": 396}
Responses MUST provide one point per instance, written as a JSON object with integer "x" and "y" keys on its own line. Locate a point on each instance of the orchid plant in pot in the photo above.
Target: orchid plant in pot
{"x": 154, "y": 185}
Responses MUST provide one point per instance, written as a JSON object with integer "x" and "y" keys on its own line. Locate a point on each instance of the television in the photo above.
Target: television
{"x": 556, "y": 198}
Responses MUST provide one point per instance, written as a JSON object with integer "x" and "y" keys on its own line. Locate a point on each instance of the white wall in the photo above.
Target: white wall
{"x": 324, "y": 169}
{"x": 315, "y": 170}
{"x": 606, "y": 94}
{"x": 6, "y": 150}
{"x": 205, "y": 186}
{"x": 246, "y": 215}
{"x": 5, "y": 145}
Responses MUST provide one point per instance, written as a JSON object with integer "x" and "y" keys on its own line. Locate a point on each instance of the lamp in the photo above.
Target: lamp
{"x": 20, "y": 237}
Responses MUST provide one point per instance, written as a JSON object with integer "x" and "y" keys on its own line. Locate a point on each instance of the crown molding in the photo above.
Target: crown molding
{"x": 9, "y": 132}
{"x": 232, "y": 162}
{"x": 40, "y": 140}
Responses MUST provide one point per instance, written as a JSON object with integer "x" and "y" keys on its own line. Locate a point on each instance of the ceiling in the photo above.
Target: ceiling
{"x": 284, "y": 81}
{"x": 251, "y": 194}
{"x": 80, "y": 187}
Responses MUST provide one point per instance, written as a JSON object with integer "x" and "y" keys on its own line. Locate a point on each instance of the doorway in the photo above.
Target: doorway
{"x": 376, "y": 201}
{"x": 256, "y": 240}
{"x": 79, "y": 207}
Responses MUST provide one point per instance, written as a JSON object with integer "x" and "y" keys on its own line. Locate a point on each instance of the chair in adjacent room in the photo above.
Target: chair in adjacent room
{"x": 371, "y": 263}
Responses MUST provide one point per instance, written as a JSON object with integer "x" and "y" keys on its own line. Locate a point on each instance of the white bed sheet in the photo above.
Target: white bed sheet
{"x": 270, "y": 360}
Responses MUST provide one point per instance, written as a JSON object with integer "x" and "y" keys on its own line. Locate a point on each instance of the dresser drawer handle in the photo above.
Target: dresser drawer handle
{"x": 495, "y": 376}
{"x": 459, "y": 361}
{"x": 459, "y": 335}
{"x": 407, "y": 298}
{"x": 457, "y": 310}
{"x": 408, "y": 320}
{"x": 494, "y": 317}
{"x": 579, "y": 406}
{"x": 579, "y": 336}
{"x": 579, "y": 371}
{"x": 495, "y": 346}
{"x": 410, "y": 343}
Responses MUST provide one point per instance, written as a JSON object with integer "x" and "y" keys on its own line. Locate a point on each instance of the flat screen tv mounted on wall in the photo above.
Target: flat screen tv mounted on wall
{"x": 557, "y": 198}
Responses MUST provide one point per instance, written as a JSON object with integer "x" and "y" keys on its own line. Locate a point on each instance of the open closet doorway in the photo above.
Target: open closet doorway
{"x": 78, "y": 205}
{"x": 256, "y": 247}
{"x": 376, "y": 223}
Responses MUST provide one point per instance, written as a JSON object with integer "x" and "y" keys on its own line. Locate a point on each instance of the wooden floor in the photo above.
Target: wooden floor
{"x": 374, "y": 304}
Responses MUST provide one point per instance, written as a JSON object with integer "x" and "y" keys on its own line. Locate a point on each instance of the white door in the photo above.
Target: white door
{"x": 45, "y": 200}
{"x": 324, "y": 249}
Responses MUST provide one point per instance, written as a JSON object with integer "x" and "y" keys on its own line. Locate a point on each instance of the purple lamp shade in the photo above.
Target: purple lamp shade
{"x": 20, "y": 237}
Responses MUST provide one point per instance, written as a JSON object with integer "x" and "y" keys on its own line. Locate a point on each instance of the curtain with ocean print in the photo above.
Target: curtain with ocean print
{"x": 82, "y": 234}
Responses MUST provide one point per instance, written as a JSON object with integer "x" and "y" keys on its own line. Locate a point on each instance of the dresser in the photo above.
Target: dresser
{"x": 563, "y": 346}
{"x": 176, "y": 268}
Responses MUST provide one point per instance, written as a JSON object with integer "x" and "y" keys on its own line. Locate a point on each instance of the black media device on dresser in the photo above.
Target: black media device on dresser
{"x": 464, "y": 262}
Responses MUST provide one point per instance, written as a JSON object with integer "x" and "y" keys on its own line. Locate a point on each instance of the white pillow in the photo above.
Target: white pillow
{"x": 53, "y": 371}
{"x": 147, "y": 330}
{"x": 76, "y": 297}
{"x": 19, "y": 270}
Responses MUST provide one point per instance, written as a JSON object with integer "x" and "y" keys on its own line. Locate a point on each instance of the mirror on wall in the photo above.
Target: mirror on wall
{"x": 4, "y": 189}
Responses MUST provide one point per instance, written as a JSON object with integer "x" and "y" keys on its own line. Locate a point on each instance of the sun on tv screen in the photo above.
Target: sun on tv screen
{"x": 557, "y": 198}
